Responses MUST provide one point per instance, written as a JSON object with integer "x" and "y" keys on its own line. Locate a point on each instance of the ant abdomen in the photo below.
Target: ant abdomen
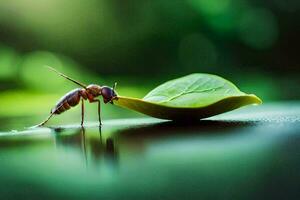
{"x": 69, "y": 100}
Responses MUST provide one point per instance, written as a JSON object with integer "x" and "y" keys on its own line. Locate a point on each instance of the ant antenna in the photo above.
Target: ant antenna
{"x": 115, "y": 97}
{"x": 70, "y": 79}
{"x": 115, "y": 85}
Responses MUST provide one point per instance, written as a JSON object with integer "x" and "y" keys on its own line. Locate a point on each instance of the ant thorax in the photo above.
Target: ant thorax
{"x": 94, "y": 90}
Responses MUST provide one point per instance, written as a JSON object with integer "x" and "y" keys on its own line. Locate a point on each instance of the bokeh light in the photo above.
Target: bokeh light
{"x": 8, "y": 63}
{"x": 258, "y": 28}
{"x": 196, "y": 51}
{"x": 35, "y": 74}
{"x": 213, "y": 7}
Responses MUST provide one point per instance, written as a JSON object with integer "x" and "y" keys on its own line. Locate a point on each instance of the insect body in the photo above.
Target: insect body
{"x": 90, "y": 93}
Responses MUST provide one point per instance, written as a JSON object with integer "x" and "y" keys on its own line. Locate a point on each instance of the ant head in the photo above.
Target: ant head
{"x": 108, "y": 93}
{"x": 94, "y": 90}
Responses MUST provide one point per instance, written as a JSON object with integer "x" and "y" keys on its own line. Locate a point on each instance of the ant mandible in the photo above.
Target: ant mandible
{"x": 89, "y": 93}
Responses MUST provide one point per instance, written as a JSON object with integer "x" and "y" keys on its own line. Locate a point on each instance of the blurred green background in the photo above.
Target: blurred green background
{"x": 141, "y": 44}
{"x": 251, "y": 153}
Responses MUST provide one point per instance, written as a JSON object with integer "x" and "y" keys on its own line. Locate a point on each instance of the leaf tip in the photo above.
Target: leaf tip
{"x": 256, "y": 99}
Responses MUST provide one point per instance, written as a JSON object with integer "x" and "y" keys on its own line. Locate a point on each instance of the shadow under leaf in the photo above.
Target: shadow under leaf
{"x": 201, "y": 127}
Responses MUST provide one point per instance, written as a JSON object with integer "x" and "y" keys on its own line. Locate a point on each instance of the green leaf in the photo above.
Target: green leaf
{"x": 195, "y": 96}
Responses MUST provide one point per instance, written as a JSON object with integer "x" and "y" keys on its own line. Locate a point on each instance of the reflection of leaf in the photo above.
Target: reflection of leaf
{"x": 194, "y": 96}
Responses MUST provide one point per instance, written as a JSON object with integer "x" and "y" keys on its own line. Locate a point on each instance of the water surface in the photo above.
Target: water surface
{"x": 252, "y": 153}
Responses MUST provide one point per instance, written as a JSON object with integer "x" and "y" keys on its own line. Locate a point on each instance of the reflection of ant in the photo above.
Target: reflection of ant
{"x": 105, "y": 150}
{"x": 97, "y": 148}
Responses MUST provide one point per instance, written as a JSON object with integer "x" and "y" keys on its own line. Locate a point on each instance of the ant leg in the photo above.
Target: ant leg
{"x": 44, "y": 122}
{"x": 82, "y": 112}
{"x": 99, "y": 110}
{"x": 52, "y": 113}
{"x": 112, "y": 100}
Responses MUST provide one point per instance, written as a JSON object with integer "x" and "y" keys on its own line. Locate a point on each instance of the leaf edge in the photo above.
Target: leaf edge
{"x": 176, "y": 113}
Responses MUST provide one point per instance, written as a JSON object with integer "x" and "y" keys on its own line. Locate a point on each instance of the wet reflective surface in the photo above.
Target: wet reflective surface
{"x": 252, "y": 153}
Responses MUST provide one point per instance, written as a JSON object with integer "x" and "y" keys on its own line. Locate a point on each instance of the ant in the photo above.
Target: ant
{"x": 89, "y": 93}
